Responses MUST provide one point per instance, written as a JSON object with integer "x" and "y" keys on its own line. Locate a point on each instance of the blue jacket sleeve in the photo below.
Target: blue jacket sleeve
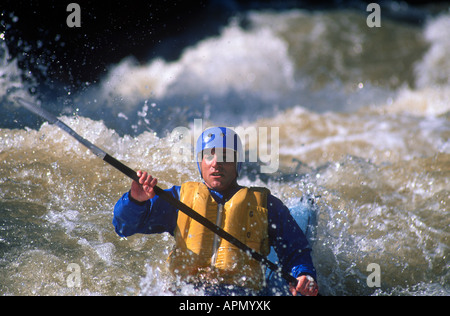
{"x": 288, "y": 240}
{"x": 152, "y": 217}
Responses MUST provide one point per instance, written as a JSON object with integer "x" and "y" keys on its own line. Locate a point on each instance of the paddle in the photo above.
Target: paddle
{"x": 160, "y": 192}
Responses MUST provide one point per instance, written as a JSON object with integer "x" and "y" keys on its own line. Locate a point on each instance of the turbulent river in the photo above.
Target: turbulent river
{"x": 363, "y": 118}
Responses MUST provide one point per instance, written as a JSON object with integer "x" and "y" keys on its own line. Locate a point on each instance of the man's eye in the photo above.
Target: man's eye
{"x": 209, "y": 157}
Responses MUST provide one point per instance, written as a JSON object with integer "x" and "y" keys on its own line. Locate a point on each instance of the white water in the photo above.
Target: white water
{"x": 367, "y": 134}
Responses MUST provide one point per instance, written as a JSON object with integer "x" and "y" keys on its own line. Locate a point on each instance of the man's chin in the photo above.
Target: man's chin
{"x": 217, "y": 185}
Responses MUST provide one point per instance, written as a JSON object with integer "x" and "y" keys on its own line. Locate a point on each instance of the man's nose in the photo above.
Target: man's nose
{"x": 215, "y": 162}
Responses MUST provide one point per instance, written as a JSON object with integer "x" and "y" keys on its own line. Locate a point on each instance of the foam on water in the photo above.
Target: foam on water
{"x": 434, "y": 68}
{"x": 209, "y": 66}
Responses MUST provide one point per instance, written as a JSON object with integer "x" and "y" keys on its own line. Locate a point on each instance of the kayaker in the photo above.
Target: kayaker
{"x": 252, "y": 215}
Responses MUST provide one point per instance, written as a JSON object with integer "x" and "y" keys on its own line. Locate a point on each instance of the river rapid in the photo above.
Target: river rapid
{"x": 363, "y": 118}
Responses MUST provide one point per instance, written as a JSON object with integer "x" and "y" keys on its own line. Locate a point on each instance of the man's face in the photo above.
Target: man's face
{"x": 219, "y": 170}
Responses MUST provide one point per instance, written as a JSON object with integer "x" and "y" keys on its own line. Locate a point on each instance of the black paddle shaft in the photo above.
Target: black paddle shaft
{"x": 160, "y": 192}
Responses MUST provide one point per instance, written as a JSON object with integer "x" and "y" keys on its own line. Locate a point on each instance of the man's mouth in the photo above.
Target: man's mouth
{"x": 217, "y": 174}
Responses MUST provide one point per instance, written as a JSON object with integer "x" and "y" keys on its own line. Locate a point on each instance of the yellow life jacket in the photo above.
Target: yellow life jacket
{"x": 244, "y": 216}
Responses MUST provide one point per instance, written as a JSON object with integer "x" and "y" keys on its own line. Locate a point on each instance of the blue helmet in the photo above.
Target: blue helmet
{"x": 219, "y": 137}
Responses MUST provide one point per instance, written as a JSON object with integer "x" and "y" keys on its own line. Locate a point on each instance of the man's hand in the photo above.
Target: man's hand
{"x": 143, "y": 190}
{"x": 306, "y": 286}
